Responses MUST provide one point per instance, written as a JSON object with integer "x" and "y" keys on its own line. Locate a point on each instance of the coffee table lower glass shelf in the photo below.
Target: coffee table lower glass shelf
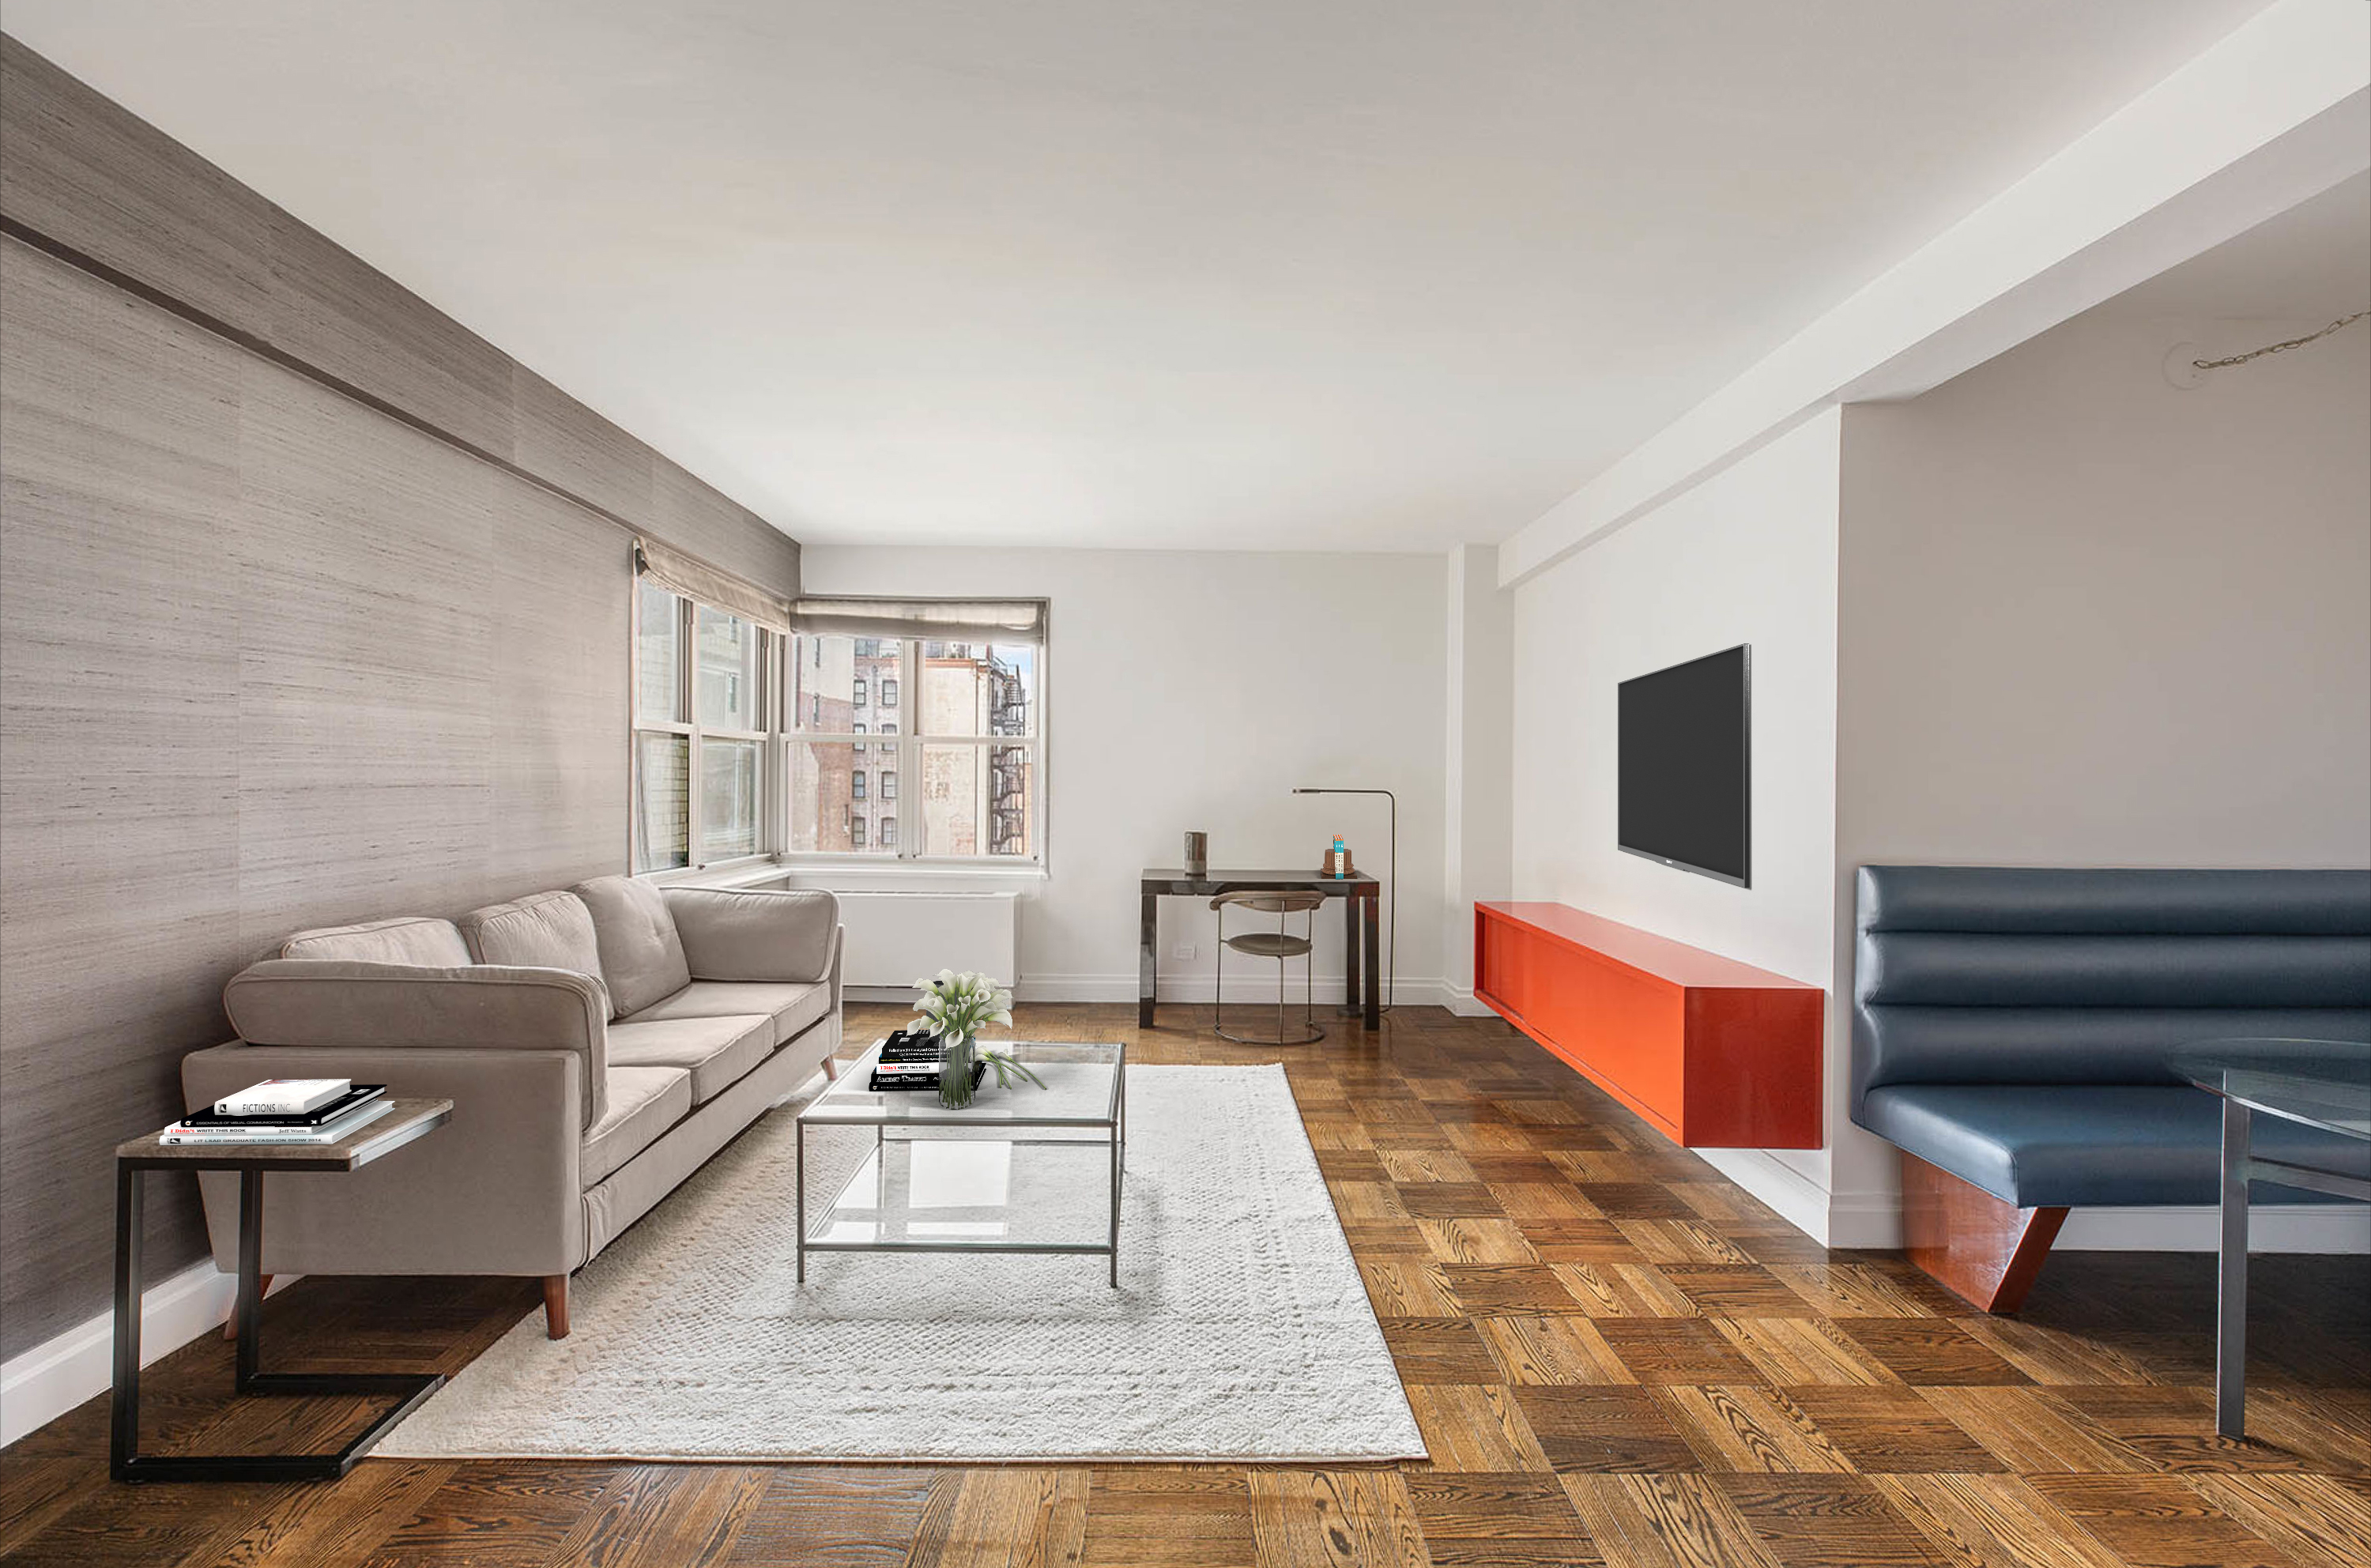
{"x": 1017, "y": 1170}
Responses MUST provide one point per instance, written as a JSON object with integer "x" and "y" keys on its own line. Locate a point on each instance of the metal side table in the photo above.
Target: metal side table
{"x": 406, "y": 1121}
{"x": 2324, "y": 1085}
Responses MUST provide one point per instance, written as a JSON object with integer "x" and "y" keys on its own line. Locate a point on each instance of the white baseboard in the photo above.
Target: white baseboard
{"x": 1461, "y": 1000}
{"x": 1874, "y": 1218}
{"x": 43, "y": 1383}
{"x": 2272, "y": 1227}
{"x": 1415, "y": 991}
{"x": 1800, "y": 1201}
{"x": 1865, "y": 1219}
{"x": 878, "y": 994}
{"x": 1421, "y": 991}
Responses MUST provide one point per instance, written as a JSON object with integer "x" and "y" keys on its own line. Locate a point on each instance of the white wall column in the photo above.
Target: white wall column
{"x": 1477, "y": 830}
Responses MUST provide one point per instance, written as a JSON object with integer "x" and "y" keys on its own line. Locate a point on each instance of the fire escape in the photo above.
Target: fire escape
{"x": 1008, "y": 766}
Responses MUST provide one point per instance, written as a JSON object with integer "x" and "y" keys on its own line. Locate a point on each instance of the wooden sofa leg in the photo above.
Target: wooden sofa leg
{"x": 1973, "y": 1245}
{"x": 831, "y": 1069}
{"x": 555, "y": 1306}
{"x": 262, "y": 1289}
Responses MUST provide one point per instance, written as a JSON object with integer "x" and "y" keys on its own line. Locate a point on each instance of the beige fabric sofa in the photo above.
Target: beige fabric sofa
{"x": 597, "y": 1044}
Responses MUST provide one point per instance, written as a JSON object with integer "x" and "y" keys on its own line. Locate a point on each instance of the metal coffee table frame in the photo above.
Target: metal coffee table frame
{"x": 922, "y": 1114}
{"x": 2222, "y": 1067}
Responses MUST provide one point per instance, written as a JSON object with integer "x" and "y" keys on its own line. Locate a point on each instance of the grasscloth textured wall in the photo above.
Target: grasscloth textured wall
{"x": 269, "y": 656}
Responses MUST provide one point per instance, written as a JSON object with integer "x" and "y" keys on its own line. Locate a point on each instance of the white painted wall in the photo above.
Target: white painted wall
{"x": 1749, "y": 556}
{"x": 1194, "y": 690}
{"x": 2273, "y": 115}
{"x": 2092, "y": 619}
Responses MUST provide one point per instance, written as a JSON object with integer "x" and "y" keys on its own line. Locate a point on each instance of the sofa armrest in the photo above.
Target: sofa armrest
{"x": 838, "y": 947}
{"x": 497, "y": 1190}
{"x": 766, "y": 934}
{"x": 349, "y": 1004}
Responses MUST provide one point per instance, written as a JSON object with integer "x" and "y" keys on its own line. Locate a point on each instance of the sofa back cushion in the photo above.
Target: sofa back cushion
{"x": 642, "y": 955}
{"x": 1991, "y": 975}
{"x": 544, "y": 930}
{"x": 407, "y": 939}
{"x": 355, "y": 1004}
{"x": 756, "y": 934}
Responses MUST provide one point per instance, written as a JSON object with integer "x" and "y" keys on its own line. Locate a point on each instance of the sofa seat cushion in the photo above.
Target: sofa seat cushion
{"x": 409, "y": 939}
{"x": 715, "y": 1051}
{"x": 2081, "y": 1145}
{"x": 643, "y": 1103}
{"x": 793, "y": 1006}
{"x": 642, "y": 953}
{"x": 544, "y": 930}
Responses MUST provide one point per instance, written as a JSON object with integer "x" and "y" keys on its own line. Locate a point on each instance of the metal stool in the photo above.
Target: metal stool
{"x": 1281, "y": 945}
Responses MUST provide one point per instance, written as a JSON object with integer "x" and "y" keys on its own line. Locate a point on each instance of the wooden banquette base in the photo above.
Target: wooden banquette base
{"x": 1975, "y": 1246}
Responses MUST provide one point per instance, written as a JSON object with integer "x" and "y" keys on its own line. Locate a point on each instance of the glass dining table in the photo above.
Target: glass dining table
{"x": 2321, "y": 1084}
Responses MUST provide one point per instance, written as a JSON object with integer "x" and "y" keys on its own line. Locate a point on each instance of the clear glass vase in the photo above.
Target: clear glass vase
{"x": 957, "y": 1053}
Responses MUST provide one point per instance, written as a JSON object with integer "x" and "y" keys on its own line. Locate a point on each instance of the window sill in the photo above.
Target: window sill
{"x": 854, "y": 875}
{"x": 731, "y": 873}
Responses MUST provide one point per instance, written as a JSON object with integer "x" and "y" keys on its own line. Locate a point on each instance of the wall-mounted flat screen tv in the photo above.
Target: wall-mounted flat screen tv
{"x": 1684, "y": 743}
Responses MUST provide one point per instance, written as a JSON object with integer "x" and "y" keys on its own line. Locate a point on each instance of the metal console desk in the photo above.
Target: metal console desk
{"x": 405, "y": 1121}
{"x": 1362, "y": 983}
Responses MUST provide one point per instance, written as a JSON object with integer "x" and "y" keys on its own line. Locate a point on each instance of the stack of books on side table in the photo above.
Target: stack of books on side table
{"x": 911, "y": 1061}
{"x": 284, "y": 1111}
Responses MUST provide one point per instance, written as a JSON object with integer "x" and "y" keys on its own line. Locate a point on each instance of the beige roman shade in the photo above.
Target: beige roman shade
{"x": 680, "y": 574}
{"x": 955, "y": 620}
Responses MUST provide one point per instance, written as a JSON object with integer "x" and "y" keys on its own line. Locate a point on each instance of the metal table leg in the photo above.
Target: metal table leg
{"x": 1350, "y": 950}
{"x": 2231, "y": 1278}
{"x": 124, "y": 1427}
{"x": 801, "y": 1135}
{"x": 1148, "y": 959}
{"x": 1118, "y": 1165}
{"x": 1373, "y": 999}
{"x": 124, "y": 1459}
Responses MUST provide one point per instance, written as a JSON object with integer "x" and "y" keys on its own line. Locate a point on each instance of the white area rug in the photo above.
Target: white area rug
{"x": 1240, "y": 1330}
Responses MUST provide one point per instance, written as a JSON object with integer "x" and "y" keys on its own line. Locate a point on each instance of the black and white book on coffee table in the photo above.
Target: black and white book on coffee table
{"x": 884, "y": 1081}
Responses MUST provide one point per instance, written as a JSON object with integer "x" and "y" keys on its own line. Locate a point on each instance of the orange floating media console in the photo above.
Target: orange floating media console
{"x": 1714, "y": 1053}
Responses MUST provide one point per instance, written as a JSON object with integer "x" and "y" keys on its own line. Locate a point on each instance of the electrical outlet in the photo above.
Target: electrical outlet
{"x": 1182, "y": 949}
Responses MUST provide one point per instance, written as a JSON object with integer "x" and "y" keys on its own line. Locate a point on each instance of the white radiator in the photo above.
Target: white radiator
{"x": 895, "y": 937}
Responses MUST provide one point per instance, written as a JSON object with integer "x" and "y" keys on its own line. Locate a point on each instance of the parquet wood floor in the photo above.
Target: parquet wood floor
{"x": 1616, "y": 1356}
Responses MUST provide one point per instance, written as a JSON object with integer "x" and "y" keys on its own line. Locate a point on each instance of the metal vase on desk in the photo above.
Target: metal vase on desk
{"x": 1198, "y": 854}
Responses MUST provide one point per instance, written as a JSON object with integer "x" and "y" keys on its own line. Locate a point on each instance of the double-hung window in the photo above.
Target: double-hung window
{"x": 705, "y": 736}
{"x": 965, "y": 768}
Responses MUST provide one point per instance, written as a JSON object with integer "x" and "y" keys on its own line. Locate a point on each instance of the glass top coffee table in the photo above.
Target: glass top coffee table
{"x": 1004, "y": 1174}
{"x": 2324, "y": 1084}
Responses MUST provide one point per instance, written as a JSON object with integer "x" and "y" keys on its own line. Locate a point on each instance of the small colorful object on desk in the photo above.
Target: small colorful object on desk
{"x": 1338, "y": 861}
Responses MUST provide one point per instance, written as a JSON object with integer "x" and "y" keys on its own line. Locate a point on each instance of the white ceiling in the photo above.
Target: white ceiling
{"x": 2311, "y": 262}
{"x": 1323, "y": 274}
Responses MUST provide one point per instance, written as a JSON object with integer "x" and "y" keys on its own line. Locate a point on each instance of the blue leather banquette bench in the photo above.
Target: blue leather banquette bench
{"x": 2013, "y": 1032}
